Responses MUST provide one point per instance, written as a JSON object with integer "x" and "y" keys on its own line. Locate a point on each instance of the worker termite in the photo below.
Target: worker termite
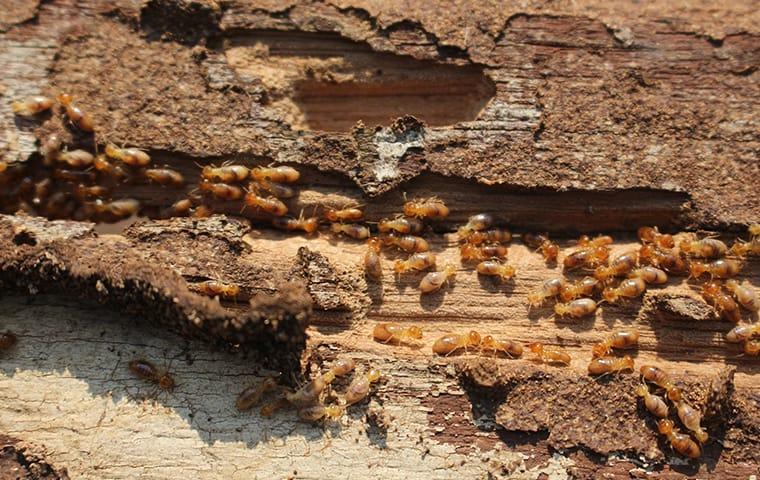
{"x": 429, "y": 208}
{"x": 74, "y": 176}
{"x": 315, "y": 413}
{"x": 277, "y": 189}
{"x": 373, "y": 266}
{"x": 721, "y": 301}
{"x": 225, "y": 173}
{"x": 618, "y": 267}
{"x": 253, "y": 394}
{"x": 691, "y": 419}
{"x": 506, "y": 347}
{"x": 309, "y": 393}
{"x": 344, "y": 215}
{"x": 416, "y": 262}
{"x": 215, "y": 288}
{"x": 752, "y": 348}
{"x": 102, "y": 165}
{"x": 477, "y": 222}
{"x": 742, "y": 249}
{"x": 145, "y": 370}
{"x": 50, "y": 148}
{"x": 721, "y": 268}
{"x": 269, "y": 205}
{"x": 360, "y": 386}
{"x": 492, "y": 235}
{"x": 577, "y": 308}
{"x": 598, "y": 241}
{"x": 434, "y": 280}
{"x": 450, "y": 343}
{"x": 743, "y": 294}
{"x": 272, "y": 407}
{"x": 180, "y": 208}
{"x": 165, "y": 176}
{"x": 7, "y": 340}
{"x": 84, "y": 192}
{"x": 353, "y": 230}
{"x": 669, "y": 260}
{"x": 628, "y": 288}
{"x": 741, "y": 333}
{"x": 76, "y": 115}
{"x": 680, "y": 442}
{"x": 548, "y": 354}
{"x": 584, "y": 287}
{"x": 650, "y": 275}
{"x": 31, "y": 106}
{"x": 308, "y": 225}
{"x": 654, "y": 403}
{"x": 202, "y": 211}
{"x": 407, "y": 243}
{"x": 396, "y": 334}
{"x": 704, "y": 248}
{"x": 548, "y": 289}
{"x": 130, "y": 156}
{"x": 279, "y": 174}
{"x": 602, "y": 365}
{"x": 119, "y": 208}
{"x": 496, "y": 268}
{"x": 469, "y": 251}
{"x": 587, "y": 257}
{"x": 660, "y": 378}
{"x": 404, "y": 225}
{"x": 224, "y": 191}
{"x": 621, "y": 339}
{"x": 652, "y": 235}
{"x": 541, "y": 243}
{"x": 76, "y": 158}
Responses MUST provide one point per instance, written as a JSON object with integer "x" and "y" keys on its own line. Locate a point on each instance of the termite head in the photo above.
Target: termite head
{"x": 415, "y": 333}
{"x": 450, "y": 270}
{"x": 642, "y": 390}
{"x": 473, "y": 338}
{"x": 696, "y": 268}
{"x": 665, "y": 426}
{"x": 610, "y": 295}
{"x": 374, "y": 375}
{"x": 535, "y": 299}
{"x": 536, "y": 348}
{"x": 166, "y": 382}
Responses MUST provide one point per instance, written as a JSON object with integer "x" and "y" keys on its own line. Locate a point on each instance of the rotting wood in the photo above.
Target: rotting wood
{"x": 599, "y": 122}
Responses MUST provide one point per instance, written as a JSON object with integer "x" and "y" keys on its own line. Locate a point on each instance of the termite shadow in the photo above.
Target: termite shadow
{"x": 496, "y": 285}
{"x": 61, "y": 337}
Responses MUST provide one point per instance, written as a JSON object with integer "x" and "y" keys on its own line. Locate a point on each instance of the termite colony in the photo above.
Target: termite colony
{"x": 309, "y": 401}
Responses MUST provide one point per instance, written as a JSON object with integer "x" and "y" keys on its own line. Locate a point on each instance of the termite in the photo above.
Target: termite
{"x": 650, "y": 275}
{"x": 752, "y": 348}
{"x": 165, "y": 176}
{"x": 506, "y": 347}
{"x": 272, "y": 407}
{"x": 621, "y": 339}
{"x": 130, "y": 156}
{"x": 396, "y": 334}
{"x": 145, "y": 370}
{"x": 416, "y": 262}
{"x": 660, "y": 378}
{"x": 84, "y": 192}
{"x": 269, "y": 205}
{"x": 587, "y": 257}
{"x": 741, "y": 333}
{"x": 309, "y": 393}
{"x": 704, "y": 248}
{"x": 691, "y": 419}
{"x": 548, "y": 289}
{"x": 253, "y": 394}
{"x": 652, "y": 235}
{"x": 344, "y": 215}
{"x": 353, "y": 230}
{"x": 434, "y": 280}
{"x": 450, "y": 343}
{"x": 577, "y": 308}
{"x": 279, "y": 174}
{"x": 215, "y": 288}
{"x": 120, "y": 208}
{"x": 721, "y": 268}
{"x": 619, "y": 266}
{"x": 76, "y": 158}
{"x": 76, "y": 115}
{"x": 42, "y": 190}
{"x": 202, "y": 211}
{"x": 308, "y": 225}
{"x": 548, "y": 354}
{"x": 74, "y": 176}
{"x": 584, "y": 287}
{"x": 598, "y": 241}
{"x": 31, "y": 106}
{"x": 50, "y": 148}
{"x": 477, "y": 222}
{"x": 602, "y": 365}
{"x": 496, "y": 268}
{"x": 493, "y": 235}
{"x": 469, "y": 251}
{"x": 7, "y": 340}
{"x": 102, "y": 165}
{"x": 224, "y": 191}
{"x": 277, "y": 189}
{"x": 429, "y": 208}
{"x": 403, "y": 225}
{"x": 721, "y": 301}
{"x": 373, "y": 266}
{"x": 360, "y": 386}
{"x": 680, "y": 442}
{"x": 628, "y": 288}
{"x": 654, "y": 403}
{"x": 225, "y": 173}
{"x": 180, "y": 208}
{"x": 671, "y": 261}
{"x": 541, "y": 243}
{"x": 315, "y": 413}
{"x": 407, "y": 243}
